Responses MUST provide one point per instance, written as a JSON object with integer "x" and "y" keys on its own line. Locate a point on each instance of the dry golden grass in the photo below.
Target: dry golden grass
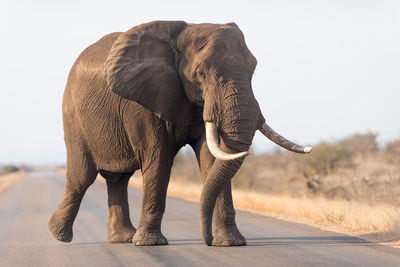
{"x": 377, "y": 223}
{"x": 8, "y": 179}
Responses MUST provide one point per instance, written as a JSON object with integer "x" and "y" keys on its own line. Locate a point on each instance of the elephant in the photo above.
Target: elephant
{"x": 134, "y": 99}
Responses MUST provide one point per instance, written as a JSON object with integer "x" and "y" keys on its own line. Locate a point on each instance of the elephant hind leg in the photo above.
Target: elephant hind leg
{"x": 119, "y": 225}
{"x": 81, "y": 173}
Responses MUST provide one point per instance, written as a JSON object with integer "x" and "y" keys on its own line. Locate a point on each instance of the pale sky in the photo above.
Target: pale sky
{"x": 326, "y": 69}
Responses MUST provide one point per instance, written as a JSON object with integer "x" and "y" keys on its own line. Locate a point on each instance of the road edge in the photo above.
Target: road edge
{"x": 7, "y": 180}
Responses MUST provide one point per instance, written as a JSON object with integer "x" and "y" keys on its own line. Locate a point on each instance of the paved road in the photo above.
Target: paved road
{"x": 25, "y": 240}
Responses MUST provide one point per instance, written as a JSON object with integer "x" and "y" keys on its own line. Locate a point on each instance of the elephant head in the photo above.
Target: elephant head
{"x": 168, "y": 66}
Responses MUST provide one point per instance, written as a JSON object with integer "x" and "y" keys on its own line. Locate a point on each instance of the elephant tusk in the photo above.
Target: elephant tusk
{"x": 283, "y": 142}
{"x": 213, "y": 144}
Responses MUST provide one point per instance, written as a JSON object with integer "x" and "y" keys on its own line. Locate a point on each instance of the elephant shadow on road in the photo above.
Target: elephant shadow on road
{"x": 279, "y": 241}
{"x": 290, "y": 241}
{"x": 308, "y": 241}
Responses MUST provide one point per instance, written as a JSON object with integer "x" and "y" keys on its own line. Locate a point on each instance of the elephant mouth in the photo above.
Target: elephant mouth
{"x": 213, "y": 143}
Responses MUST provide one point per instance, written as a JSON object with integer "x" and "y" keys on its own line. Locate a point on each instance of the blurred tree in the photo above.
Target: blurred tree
{"x": 326, "y": 157}
{"x": 361, "y": 144}
{"x": 10, "y": 168}
{"x": 392, "y": 151}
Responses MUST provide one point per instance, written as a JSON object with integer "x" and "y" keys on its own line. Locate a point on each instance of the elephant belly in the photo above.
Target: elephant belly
{"x": 115, "y": 162}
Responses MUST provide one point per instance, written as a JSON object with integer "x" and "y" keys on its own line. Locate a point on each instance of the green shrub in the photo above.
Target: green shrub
{"x": 325, "y": 158}
{"x": 10, "y": 168}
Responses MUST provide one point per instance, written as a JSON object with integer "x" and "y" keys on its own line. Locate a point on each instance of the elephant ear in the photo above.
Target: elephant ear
{"x": 141, "y": 67}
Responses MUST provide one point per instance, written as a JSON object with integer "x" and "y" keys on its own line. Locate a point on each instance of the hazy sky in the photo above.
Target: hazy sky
{"x": 326, "y": 69}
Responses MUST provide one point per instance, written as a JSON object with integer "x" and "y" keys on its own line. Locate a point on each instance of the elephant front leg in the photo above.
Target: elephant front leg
{"x": 119, "y": 225}
{"x": 155, "y": 183}
{"x": 225, "y": 231}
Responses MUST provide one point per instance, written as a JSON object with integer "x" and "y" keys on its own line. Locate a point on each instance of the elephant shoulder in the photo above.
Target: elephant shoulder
{"x": 87, "y": 74}
{"x": 98, "y": 52}
{"x": 93, "y": 57}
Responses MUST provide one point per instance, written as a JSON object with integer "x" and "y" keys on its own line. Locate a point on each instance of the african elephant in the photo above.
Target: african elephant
{"x": 133, "y": 99}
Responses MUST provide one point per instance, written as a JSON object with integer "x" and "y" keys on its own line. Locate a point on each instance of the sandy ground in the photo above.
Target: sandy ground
{"x": 8, "y": 179}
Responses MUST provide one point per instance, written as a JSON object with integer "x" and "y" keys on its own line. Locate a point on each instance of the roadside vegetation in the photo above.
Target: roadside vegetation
{"x": 8, "y": 175}
{"x": 8, "y": 169}
{"x": 350, "y": 185}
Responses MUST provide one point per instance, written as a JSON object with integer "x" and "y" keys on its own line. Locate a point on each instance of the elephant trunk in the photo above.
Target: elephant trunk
{"x": 221, "y": 172}
{"x": 236, "y": 120}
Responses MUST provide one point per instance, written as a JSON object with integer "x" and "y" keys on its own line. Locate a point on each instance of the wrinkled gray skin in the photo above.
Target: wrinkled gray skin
{"x": 133, "y": 99}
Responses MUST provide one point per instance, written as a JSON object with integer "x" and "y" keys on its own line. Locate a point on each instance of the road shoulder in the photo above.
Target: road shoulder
{"x": 6, "y": 180}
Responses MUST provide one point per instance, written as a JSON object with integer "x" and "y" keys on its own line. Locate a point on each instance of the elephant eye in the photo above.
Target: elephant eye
{"x": 202, "y": 75}
{"x": 199, "y": 74}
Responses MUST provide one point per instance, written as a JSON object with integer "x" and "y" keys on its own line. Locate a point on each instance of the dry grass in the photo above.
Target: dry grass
{"x": 377, "y": 223}
{"x": 8, "y": 179}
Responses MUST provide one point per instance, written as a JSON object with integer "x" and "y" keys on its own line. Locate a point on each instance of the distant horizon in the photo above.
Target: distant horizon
{"x": 272, "y": 148}
{"x": 326, "y": 69}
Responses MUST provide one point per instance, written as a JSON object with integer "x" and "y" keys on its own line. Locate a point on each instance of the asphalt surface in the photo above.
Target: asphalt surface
{"x": 25, "y": 241}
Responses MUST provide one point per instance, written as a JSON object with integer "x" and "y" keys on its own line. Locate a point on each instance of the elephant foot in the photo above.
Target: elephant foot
{"x": 59, "y": 229}
{"x": 122, "y": 235}
{"x": 226, "y": 239}
{"x": 149, "y": 238}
